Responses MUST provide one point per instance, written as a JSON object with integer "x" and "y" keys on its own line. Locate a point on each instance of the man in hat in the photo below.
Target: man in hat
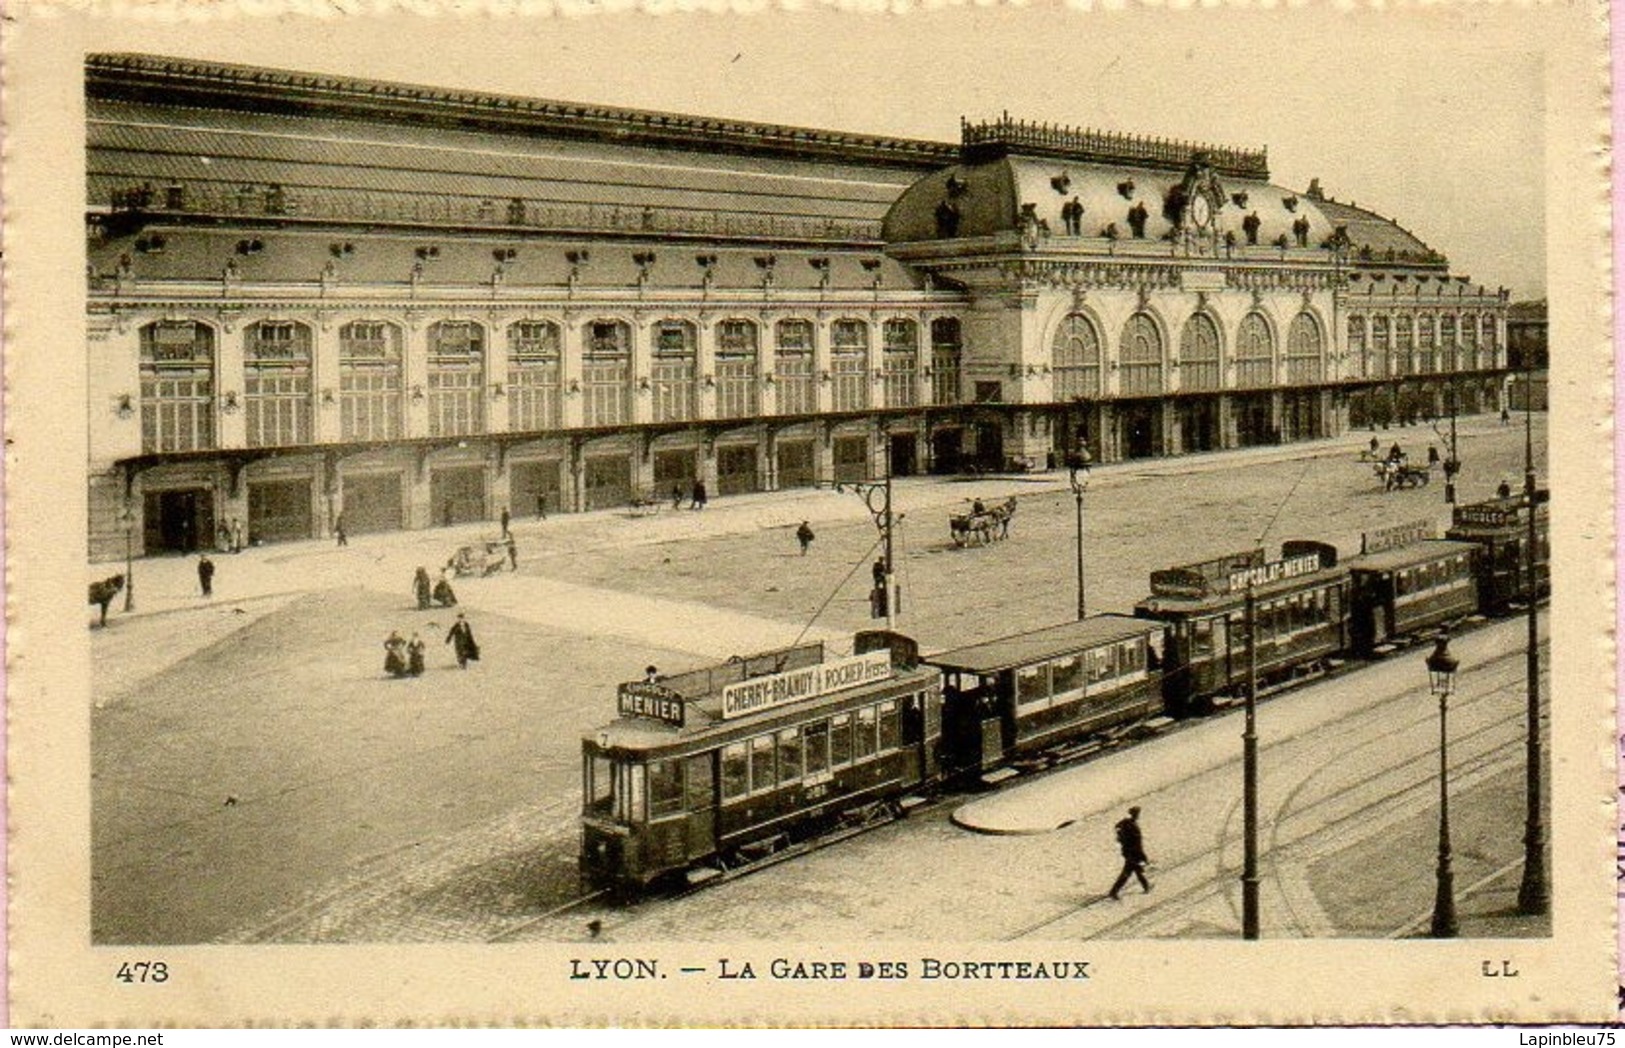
{"x": 461, "y": 637}
{"x": 1133, "y": 849}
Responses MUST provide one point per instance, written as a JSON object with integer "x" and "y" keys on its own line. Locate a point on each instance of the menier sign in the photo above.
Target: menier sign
{"x": 645, "y": 699}
{"x": 1286, "y": 568}
{"x": 778, "y": 689}
{"x": 1203, "y": 578}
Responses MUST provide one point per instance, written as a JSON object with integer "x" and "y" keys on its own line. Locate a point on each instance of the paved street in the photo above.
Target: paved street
{"x": 256, "y": 776}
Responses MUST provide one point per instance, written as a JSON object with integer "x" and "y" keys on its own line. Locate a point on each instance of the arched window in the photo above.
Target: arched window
{"x": 672, "y": 371}
{"x": 1304, "y": 351}
{"x": 1199, "y": 353}
{"x": 1075, "y": 358}
{"x": 736, "y": 369}
{"x": 793, "y": 367}
{"x": 1469, "y": 342}
{"x": 946, "y": 348}
{"x": 1404, "y": 349}
{"x": 1140, "y": 356}
{"x": 1357, "y": 354}
{"x": 177, "y": 386}
{"x": 849, "y": 364}
{"x": 369, "y": 381}
{"x": 1255, "y": 353}
{"x": 900, "y": 362}
{"x": 456, "y": 378}
{"x": 276, "y": 383}
{"x": 1447, "y": 342}
{"x": 1379, "y": 347}
{"x": 1487, "y": 338}
{"x": 534, "y": 390}
{"x": 606, "y": 373}
{"x": 1426, "y": 359}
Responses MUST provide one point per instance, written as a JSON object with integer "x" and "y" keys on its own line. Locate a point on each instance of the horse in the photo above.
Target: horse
{"x": 103, "y": 592}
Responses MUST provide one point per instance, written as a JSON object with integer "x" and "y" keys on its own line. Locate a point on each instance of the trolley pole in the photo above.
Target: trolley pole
{"x": 1534, "y": 894}
{"x": 1249, "y": 785}
{"x": 1078, "y": 478}
{"x": 877, "y": 497}
{"x": 129, "y": 557}
{"x": 891, "y": 578}
{"x": 1453, "y": 466}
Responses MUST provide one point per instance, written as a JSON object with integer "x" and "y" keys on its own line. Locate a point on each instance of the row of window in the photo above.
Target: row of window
{"x": 1423, "y": 577}
{"x": 177, "y": 360}
{"x": 1102, "y": 668}
{"x": 1077, "y": 354}
{"x": 810, "y": 752}
{"x": 1278, "y": 618}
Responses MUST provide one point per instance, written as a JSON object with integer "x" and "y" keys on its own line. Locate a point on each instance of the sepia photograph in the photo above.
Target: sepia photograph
{"x": 729, "y": 515}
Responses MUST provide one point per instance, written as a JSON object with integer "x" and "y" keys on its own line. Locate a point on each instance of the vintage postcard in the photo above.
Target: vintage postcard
{"x": 928, "y": 515}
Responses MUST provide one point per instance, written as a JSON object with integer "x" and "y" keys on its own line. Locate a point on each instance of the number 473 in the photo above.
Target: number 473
{"x": 143, "y": 972}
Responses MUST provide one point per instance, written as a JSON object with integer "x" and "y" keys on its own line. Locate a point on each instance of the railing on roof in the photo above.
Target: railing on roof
{"x": 697, "y": 684}
{"x": 1072, "y": 143}
{"x": 348, "y": 205}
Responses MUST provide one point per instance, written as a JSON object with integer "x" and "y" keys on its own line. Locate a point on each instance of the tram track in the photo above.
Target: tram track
{"x": 1475, "y": 766}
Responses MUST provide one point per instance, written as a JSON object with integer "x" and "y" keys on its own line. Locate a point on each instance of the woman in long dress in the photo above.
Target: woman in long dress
{"x": 422, "y": 589}
{"x": 395, "y": 655}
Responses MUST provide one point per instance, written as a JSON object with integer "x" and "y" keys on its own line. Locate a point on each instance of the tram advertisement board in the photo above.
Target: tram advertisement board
{"x": 1396, "y": 537}
{"x": 1286, "y": 568}
{"x": 761, "y": 693}
{"x": 643, "y": 699}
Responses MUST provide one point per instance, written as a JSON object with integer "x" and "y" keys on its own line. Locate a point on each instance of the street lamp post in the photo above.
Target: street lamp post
{"x": 1249, "y": 784}
{"x": 1452, "y": 465}
{"x": 1078, "y": 478}
{"x": 1534, "y": 894}
{"x": 129, "y": 558}
{"x": 881, "y": 513}
{"x": 1442, "y": 682}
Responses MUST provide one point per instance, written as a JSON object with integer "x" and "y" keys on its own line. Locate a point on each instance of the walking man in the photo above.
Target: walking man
{"x": 1133, "y": 849}
{"x": 697, "y": 499}
{"x": 205, "y": 575}
{"x": 513, "y": 554}
{"x": 804, "y": 535}
{"x": 461, "y": 638}
{"x": 505, "y": 519}
{"x": 541, "y": 505}
{"x": 338, "y": 530}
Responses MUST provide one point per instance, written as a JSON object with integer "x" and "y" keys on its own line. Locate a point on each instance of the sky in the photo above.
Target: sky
{"x": 1433, "y": 117}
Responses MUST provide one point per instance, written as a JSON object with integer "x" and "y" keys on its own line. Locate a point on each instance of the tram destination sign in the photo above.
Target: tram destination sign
{"x": 1274, "y": 571}
{"x": 778, "y": 689}
{"x": 655, "y": 701}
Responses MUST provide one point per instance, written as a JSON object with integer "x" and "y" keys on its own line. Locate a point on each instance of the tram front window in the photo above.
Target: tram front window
{"x": 599, "y": 784}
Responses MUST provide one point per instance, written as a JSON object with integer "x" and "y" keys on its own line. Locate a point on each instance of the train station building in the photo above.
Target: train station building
{"x": 312, "y": 296}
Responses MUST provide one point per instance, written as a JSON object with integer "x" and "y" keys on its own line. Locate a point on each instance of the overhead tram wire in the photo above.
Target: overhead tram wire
{"x": 1281, "y": 507}
{"x": 836, "y": 591}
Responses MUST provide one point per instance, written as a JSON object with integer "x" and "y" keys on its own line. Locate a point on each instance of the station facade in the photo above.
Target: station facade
{"x": 313, "y": 296}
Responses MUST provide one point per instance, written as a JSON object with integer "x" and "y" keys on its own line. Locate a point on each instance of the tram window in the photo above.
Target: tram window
{"x": 888, "y": 726}
{"x": 1066, "y": 674}
{"x": 840, "y": 740}
{"x": 599, "y": 783}
{"x": 697, "y": 783}
{"x": 790, "y": 755}
{"x": 735, "y": 780}
{"x": 1099, "y": 665}
{"x": 762, "y": 776}
{"x": 665, "y": 788}
{"x": 1202, "y": 637}
{"x": 1032, "y": 684}
{"x": 863, "y": 738}
{"x": 629, "y": 792}
{"x": 817, "y": 741}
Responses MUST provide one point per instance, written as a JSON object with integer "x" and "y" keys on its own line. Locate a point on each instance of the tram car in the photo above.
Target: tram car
{"x": 1300, "y": 610}
{"x": 1501, "y": 530}
{"x": 1005, "y": 699}
{"x": 1406, "y": 583}
{"x": 712, "y": 767}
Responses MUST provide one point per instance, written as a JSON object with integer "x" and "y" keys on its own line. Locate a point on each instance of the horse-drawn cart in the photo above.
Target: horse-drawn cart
{"x": 1397, "y": 473}
{"x": 981, "y": 525}
{"x": 482, "y": 558}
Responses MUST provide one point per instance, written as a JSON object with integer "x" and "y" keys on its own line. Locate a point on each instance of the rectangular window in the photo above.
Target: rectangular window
{"x": 790, "y": 755}
{"x": 863, "y": 737}
{"x": 1202, "y": 637}
{"x": 1032, "y": 684}
{"x": 697, "y": 783}
{"x": 890, "y": 735}
{"x": 1066, "y": 674}
{"x": 600, "y": 781}
{"x": 840, "y": 740}
{"x": 665, "y": 788}
{"x": 762, "y": 775}
{"x": 735, "y": 771}
{"x": 816, "y": 737}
